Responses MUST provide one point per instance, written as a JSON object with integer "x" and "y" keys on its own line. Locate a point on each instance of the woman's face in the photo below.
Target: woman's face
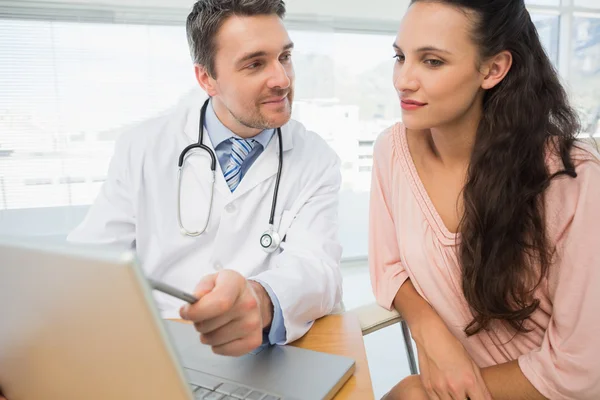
{"x": 436, "y": 75}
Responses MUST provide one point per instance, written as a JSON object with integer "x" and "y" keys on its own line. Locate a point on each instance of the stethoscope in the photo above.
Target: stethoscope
{"x": 270, "y": 239}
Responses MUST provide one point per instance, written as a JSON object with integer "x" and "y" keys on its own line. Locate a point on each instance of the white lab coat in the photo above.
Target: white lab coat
{"x": 137, "y": 206}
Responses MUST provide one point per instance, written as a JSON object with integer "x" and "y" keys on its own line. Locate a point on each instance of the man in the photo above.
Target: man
{"x": 248, "y": 297}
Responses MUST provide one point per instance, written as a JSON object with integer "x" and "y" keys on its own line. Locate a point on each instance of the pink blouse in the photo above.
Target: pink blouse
{"x": 407, "y": 239}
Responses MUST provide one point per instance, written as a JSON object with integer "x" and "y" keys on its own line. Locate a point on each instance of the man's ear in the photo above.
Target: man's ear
{"x": 205, "y": 80}
{"x": 495, "y": 69}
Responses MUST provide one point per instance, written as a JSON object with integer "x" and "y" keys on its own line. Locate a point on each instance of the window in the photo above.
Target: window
{"x": 344, "y": 92}
{"x": 68, "y": 90}
{"x": 585, "y": 71}
{"x": 548, "y": 30}
{"x": 542, "y": 2}
{"x": 71, "y": 88}
{"x": 587, "y": 3}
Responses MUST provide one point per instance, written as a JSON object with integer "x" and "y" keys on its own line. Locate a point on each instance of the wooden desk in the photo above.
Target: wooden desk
{"x": 341, "y": 334}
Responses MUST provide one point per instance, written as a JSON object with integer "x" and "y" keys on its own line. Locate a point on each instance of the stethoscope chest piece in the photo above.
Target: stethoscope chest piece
{"x": 270, "y": 240}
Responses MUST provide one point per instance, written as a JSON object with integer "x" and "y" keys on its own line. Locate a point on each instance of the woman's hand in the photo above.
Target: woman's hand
{"x": 447, "y": 371}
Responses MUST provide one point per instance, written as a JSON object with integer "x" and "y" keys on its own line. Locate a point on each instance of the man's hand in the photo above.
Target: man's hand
{"x": 231, "y": 313}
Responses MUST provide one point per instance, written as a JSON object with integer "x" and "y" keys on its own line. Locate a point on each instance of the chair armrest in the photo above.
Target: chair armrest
{"x": 373, "y": 317}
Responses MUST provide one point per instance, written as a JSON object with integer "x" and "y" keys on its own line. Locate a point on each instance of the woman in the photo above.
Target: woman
{"x": 485, "y": 211}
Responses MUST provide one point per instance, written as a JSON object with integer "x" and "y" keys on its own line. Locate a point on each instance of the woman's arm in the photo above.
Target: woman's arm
{"x": 392, "y": 288}
{"x": 504, "y": 381}
{"x": 507, "y": 382}
{"x": 447, "y": 370}
{"x": 415, "y": 310}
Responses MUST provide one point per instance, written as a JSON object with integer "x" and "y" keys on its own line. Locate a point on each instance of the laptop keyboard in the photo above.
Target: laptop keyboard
{"x": 208, "y": 387}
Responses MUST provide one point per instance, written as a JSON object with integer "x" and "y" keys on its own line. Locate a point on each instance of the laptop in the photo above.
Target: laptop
{"x": 80, "y": 323}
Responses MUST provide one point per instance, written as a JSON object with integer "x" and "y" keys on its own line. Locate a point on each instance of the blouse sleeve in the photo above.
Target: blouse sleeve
{"x": 387, "y": 272}
{"x": 567, "y": 365}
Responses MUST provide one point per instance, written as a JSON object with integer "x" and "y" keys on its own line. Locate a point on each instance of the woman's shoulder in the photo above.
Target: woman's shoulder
{"x": 583, "y": 154}
{"x": 570, "y": 195}
{"x": 388, "y": 142}
{"x": 586, "y": 160}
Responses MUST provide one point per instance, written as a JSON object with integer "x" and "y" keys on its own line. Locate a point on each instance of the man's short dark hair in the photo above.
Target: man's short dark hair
{"x": 207, "y": 16}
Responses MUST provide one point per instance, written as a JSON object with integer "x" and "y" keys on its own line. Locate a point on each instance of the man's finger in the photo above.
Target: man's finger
{"x": 239, "y": 347}
{"x": 205, "y": 285}
{"x": 217, "y": 302}
{"x": 211, "y": 325}
{"x": 236, "y": 329}
{"x": 239, "y": 310}
{"x": 211, "y": 306}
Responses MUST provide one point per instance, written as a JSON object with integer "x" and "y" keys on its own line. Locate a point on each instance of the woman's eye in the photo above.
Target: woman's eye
{"x": 434, "y": 63}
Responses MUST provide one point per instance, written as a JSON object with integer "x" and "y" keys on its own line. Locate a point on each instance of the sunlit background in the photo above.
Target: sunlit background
{"x": 75, "y": 74}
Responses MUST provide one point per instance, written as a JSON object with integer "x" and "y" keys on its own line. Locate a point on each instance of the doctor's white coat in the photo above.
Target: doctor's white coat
{"x": 137, "y": 206}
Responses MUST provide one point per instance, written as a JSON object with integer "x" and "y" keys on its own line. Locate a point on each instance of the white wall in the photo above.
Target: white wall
{"x": 372, "y": 9}
{"x": 386, "y": 10}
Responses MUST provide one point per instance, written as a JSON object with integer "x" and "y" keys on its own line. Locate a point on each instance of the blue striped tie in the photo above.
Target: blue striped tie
{"x": 240, "y": 148}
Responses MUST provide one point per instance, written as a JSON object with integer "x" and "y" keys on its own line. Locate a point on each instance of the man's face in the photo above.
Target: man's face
{"x": 254, "y": 85}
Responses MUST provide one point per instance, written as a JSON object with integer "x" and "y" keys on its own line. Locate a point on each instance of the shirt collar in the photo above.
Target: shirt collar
{"x": 219, "y": 133}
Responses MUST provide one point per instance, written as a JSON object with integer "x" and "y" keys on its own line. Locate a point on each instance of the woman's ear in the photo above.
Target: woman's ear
{"x": 495, "y": 69}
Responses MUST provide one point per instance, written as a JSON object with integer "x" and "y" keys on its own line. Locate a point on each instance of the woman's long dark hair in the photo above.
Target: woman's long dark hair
{"x": 504, "y": 248}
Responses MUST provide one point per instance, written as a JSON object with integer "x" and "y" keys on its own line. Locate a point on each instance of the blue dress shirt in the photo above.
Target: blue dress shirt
{"x": 219, "y": 136}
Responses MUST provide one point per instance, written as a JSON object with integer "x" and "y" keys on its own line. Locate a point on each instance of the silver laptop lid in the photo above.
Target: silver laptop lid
{"x": 76, "y": 318}
{"x": 80, "y": 324}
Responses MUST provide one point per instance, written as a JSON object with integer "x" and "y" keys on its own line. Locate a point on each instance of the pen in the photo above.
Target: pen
{"x": 170, "y": 290}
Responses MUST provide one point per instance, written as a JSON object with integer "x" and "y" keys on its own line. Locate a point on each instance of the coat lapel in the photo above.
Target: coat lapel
{"x": 262, "y": 169}
{"x": 199, "y": 160}
{"x": 266, "y": 164}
